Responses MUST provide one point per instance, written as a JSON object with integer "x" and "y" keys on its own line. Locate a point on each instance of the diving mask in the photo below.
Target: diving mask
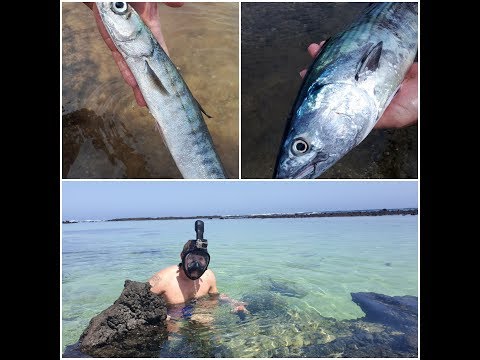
{"x": 195, "y": 257}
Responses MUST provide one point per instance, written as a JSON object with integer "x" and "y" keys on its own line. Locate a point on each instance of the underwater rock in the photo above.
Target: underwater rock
{"x": 389, "y": 329}
{"x": 363, "y": 344}
{"x": 285, "y": 288}
{"x": 134, "y": 326}
{"x": 265, "y": 302}
{"x": 396, "y": 311}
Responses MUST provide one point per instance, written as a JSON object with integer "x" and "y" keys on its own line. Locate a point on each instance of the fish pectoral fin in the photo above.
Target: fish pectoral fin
{"x": 370, "y": 61}
{"x": 156, "y": 80}
{"x": 201, "y": 109}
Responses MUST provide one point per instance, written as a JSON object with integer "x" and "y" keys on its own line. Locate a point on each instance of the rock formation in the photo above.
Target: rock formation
{"x": 134, "y": 326}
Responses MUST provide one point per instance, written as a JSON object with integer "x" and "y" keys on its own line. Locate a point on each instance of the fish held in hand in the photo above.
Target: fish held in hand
{"x": 176, "y": 111}
{"x": 347, "y": 88}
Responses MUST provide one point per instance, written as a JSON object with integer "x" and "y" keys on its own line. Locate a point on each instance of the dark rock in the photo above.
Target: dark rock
{"x": 134, "y": 326}
{"x": 365, "y": 344}
{"x": 389, "y": 329}
{"x": 396, "y": 311}
{"x": 285, "y": 288}
{"x": 266, "y": 303}
{"x": 73, "y": 351}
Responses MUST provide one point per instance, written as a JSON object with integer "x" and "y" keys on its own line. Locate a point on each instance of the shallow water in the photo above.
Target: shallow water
{"x": 275, "y": 37}
{"x": 105, "y": 133}
{"x": 294, "y": 273}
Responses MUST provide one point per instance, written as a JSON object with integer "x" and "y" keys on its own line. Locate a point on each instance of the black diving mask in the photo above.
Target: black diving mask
{"x": 195, "y": 257}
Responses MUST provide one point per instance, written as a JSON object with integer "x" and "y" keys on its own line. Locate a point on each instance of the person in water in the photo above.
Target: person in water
{"x": 190, "y": 280}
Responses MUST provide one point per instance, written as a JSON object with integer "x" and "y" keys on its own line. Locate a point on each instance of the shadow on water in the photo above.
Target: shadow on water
{"x": 275, "y": 37}
{"x": 105, "y": 133}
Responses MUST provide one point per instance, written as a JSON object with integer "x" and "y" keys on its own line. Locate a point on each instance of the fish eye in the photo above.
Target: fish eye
{"x": 299, "y": 147}
{"x": 119, "y": 8}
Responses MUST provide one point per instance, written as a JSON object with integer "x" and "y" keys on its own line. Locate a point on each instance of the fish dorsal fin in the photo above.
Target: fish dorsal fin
{"x": 369, "y": 61}
{"x": 201, "y": 109}
{"x": 156, "y": 80}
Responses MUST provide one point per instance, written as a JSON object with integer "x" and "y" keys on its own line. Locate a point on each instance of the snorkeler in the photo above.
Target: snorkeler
{"x": 190, "y": 280}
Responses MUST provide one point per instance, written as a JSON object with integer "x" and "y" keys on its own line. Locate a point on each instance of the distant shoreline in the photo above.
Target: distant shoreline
{"x": 376, "y": 212}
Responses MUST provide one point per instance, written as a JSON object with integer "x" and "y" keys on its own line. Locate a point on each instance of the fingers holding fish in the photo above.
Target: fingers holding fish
{"x": 134, "y": 148}
{"x": 347, "y": 89}
{"x": 170, "y": 101}
{"x": 313, "y": 50}
{"x": 403, "y": 110}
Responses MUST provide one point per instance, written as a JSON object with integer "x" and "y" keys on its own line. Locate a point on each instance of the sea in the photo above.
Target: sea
{"x": 301, "y": 270}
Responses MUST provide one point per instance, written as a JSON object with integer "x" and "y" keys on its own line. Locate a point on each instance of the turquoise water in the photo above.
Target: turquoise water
{"x": 305, "y": 268}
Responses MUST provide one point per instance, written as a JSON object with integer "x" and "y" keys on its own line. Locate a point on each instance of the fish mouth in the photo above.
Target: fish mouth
{"x": 307, "y": 172}
{"x": 320, "y": 163}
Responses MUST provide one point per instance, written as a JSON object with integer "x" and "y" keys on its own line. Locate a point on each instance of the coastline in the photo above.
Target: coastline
{"x": 375, "y": 212}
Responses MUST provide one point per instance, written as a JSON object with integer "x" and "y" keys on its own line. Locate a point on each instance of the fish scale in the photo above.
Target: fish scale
{"x": 177, "y": 113}
{"x": 347, "y": 88}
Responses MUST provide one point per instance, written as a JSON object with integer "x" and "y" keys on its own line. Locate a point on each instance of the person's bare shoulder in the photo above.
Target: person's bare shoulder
{"x": 209, "y": 274}
{"x": 209, "y": 277}
{"x": 159, "y": 280}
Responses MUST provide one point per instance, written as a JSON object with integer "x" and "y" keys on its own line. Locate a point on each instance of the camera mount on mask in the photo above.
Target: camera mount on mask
{"x": 201, "y": 243}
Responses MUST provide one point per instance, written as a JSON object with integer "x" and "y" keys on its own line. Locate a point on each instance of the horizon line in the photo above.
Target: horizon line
{"x": 357, "y": 212}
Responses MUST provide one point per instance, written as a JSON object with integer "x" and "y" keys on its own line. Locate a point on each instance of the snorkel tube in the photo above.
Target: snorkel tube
{"x": 195, "y": 257}
{"x": 199, "y": 230}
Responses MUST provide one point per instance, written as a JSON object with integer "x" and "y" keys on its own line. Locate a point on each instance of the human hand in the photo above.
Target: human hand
{"x": 149, "y": 15}
{"x": 403, "y": 109}
{"x": 240, "y": 308}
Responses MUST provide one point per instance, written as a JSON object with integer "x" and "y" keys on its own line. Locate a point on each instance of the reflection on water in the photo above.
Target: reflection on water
{"x": 105, "y": 133}
{"x": 274, "y": 42}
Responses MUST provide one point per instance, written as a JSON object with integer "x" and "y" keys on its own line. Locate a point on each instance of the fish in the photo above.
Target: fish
{"x": 347, "y": 88}
{"x": 177, "y": 113}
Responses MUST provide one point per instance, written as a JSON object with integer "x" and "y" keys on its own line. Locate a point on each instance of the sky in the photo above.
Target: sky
{"x": 101, "y": 200}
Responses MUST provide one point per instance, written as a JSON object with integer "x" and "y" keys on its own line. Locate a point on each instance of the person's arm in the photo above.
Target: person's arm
{"x": 157, "y": 283}
{"x": 403, "y": 109}
{"x": 148, "y": 13}
{"x": 236, "y": 305}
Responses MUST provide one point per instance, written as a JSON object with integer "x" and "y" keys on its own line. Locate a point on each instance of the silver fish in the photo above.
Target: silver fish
{"x": 169, "y": 100}
{"x": 347, "y": 88}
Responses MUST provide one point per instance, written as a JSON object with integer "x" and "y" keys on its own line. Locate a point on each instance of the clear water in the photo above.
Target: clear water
{"x": 303, "y": 269}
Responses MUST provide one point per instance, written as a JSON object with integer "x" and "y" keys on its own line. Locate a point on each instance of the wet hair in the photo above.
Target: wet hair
{"x": 189, "y": 245}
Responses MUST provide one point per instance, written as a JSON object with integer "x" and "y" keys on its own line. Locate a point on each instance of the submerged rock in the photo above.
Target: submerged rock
{"x": 364, "y": 344}
{"x": 388, "y": 329}
{"x": 285, "y": 288}
{"x": 396, "y": 311}
{"x": 264, "y": 302}
{"x": 134, "y": 326}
